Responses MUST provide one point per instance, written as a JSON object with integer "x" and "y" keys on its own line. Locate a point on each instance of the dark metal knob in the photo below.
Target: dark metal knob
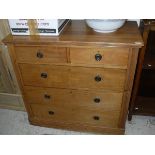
{"x": 51, "y": 112}
{"x": 40, "y": 54}
{"x": 44, "y": 75}
{"x": 98, "y": 57}
{"x": 47, "y": 96}
{"x": 97, "y": 100}
{"x": 96, "y": 118}
{"x": 98, "y": 78}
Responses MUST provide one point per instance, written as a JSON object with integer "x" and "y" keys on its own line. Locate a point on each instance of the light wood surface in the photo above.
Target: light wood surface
{"x": 11, "y": 101}
{"x": 4, "y": 29}
{"x": 10, "y": 98}
{"x": 5, "y": 84}
{"x": 75, "y": 98}
{"x": 83, "y": 127}
{"x": 76, "y": 115}
{"x": 72, "y": 88}
{"x": 72, "y": 77}
{"x": 79, "y": 34}
{"x": 41, "y": 54}
{"x": 110, "y": 56}
{"x": 128, "y": 86}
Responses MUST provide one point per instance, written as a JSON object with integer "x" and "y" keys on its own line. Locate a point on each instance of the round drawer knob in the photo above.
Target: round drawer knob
{"x": 97, "y": 100}
{"x": 96, "y": 118}
{"x": 98, "y": 57}
{"x": 51, "y": 112}
{"x": 40, "y": 54}
{"x": 98, "y": 78}
{"x": 46, "y": 96}
{"x": 44, "y": 75}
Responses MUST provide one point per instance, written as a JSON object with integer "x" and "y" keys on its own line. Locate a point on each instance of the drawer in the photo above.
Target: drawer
{"x": 44, "y": 75}
{"x": 98, "y": 78}
{"x": 77, "y": 115}
{"x": 41, "y": 54}
{"x": 47, "y": 96}
{"x": 110, "y": 57}
{"x": 73, "y": 98}
{"x": 97, "y": 99}
{"x": 73, "y": 77}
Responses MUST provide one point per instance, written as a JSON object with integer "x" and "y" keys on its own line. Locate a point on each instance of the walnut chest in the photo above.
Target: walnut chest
{"x": 81, "y": 80}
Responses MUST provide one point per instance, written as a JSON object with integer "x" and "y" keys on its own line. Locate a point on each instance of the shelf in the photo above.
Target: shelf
{"x": 147, "y": 83}
{"x": 143, "y": 97}
{"x": 149, "y": 62}
{"x": 144, "y": 106}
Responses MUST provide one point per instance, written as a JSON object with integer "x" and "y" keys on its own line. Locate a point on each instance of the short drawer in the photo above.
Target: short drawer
{"x": 98, "y": 78}
{"x": 41, "y": 54}
{"x": 44, "y": 75}
{"x": 110, "y": 57}
{"x": 80, "y": 115}
{"x": 73, "y": 98}
{"x": 47, "y": 96}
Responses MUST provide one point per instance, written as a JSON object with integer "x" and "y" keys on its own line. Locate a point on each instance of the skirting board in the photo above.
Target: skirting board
{"x": 11, "y": 101}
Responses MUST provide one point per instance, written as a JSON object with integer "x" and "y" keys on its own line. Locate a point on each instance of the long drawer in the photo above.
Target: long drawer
{"x": 73, "y": 77}
{"x": 41, "y": 54}
{"x": 73, "y": 98}
{"x": 79, "y": 115}
{"x": 110, "y": 57}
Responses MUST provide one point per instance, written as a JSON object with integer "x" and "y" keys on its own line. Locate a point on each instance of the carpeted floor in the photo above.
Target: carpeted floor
{"x": 16, "y": 123}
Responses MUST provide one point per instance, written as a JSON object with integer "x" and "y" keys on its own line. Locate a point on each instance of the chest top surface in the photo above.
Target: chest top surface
{"x": 77, "y": 33}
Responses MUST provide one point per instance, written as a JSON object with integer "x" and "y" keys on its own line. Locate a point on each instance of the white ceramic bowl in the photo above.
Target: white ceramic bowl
{"x": 105, "y": 25}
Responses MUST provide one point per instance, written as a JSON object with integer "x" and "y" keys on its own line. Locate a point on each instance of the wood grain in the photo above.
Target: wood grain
{"x": 57, "y": 76}
{"x": 41, "y": 54}
{"x": 73, "y": 98}
{"x": 76, "y": 126}
{"x": 79, "y": 34}
{"x": 78, "y": 115}
{"x": 111, "y": 79}
{"x": 60, "y": 90}
{"x": 117, "y": 57}
{"x": 73, "y": 77}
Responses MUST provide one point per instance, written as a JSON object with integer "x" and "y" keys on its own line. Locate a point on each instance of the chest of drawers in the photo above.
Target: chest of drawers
{"x": 81, "y": 80}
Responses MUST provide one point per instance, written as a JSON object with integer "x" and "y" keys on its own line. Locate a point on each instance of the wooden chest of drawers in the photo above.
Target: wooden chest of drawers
{"x": 81, "y": 80}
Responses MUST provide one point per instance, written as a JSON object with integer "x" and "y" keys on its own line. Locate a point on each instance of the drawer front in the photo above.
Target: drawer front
{"x": 44, "y": 75}
{"x": 73, "y": 98}
{"x": 80, "y": 115}
{"x": 73, "y": 77}
{"x": 47, "y": 96}
{"x": 97, "y": 78}
{"x": 41, "y": 54}
{"x": 112, "y": 57}
{"x": 97, "y": 100}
